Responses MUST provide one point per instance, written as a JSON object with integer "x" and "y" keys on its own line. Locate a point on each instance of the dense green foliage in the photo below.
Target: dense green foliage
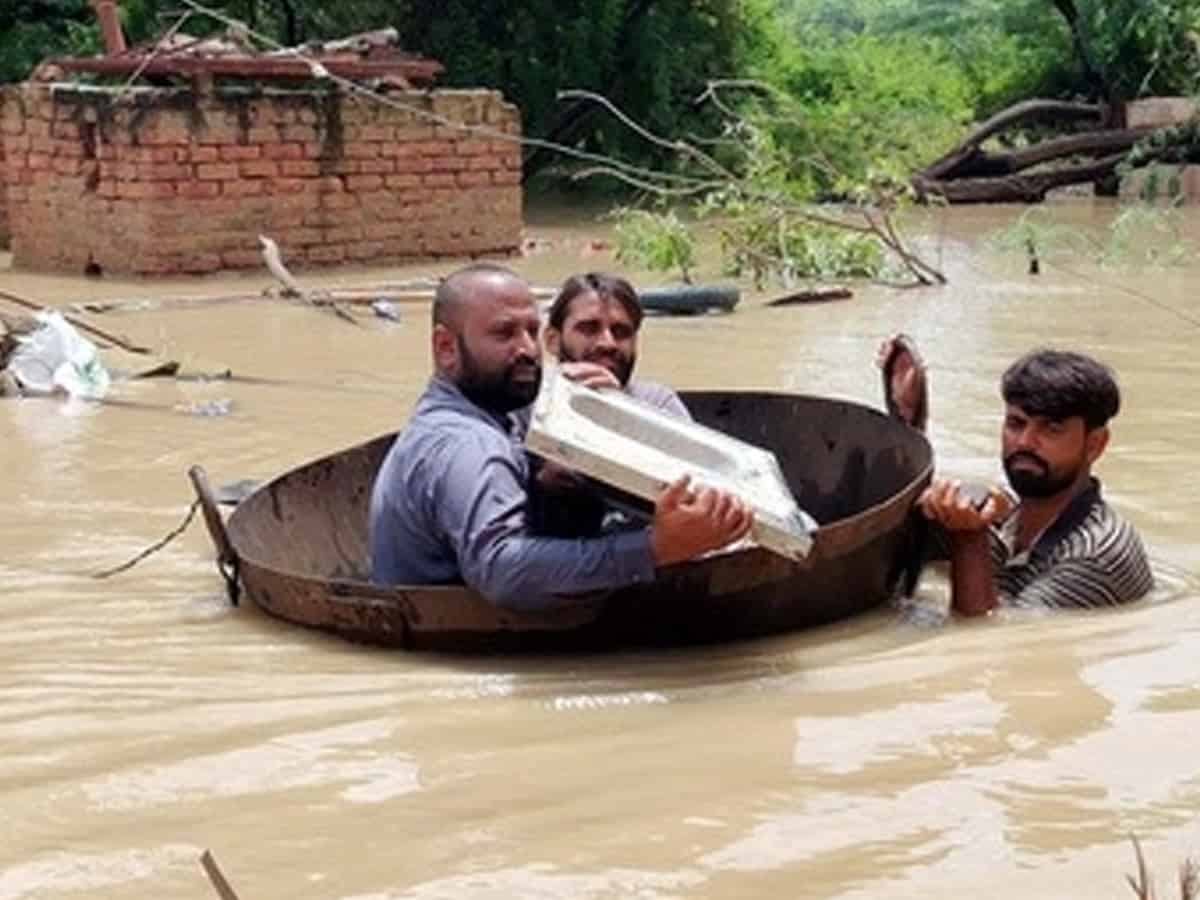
{"x": 651, "y": 57}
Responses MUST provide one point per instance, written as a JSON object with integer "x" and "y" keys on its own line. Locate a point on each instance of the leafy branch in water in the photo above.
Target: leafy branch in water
{"x": 658, "y": 241}
{"x": 763, "y": 200}
{"x": 1141, "y": 235}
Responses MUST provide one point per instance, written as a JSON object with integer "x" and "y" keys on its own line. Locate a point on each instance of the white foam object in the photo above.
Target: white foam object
{"x": 56, "y": 357}
{"x": 622, "y": 442}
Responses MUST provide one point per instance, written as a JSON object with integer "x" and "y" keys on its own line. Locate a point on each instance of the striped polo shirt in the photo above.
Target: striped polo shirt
{"x": 1089, "y": 556}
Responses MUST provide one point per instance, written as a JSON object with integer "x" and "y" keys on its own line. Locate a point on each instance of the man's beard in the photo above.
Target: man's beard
{"x": 497, "y": 392}
{"x": 1037, "y": 484}
{"x": 616, "y": 362}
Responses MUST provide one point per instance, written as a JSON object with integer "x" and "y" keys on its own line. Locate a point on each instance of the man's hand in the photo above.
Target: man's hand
{"x": 688, "y": 522}
{"x": 960, "y": 509}
{"x": 590, "y": 375}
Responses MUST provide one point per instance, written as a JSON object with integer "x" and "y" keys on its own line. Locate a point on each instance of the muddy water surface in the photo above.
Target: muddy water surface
{"x": 144, "y": 720}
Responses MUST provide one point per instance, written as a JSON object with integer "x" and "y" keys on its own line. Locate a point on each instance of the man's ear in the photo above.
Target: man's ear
{"x": 445, "y": 349}
{"x": 1094, "y": 443}
{"x": 553, "y": 339}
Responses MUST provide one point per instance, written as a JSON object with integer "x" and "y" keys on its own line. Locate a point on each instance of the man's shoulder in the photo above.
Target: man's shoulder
{"x": 657, "y": 395}
{"x": 649, "y": 391}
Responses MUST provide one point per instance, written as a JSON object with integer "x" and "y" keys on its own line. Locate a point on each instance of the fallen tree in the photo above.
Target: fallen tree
{"x": 970, "y": 173}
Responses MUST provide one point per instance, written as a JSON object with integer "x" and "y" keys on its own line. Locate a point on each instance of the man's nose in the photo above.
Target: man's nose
{"x": 527, "y": 345}
{"x": 1025, "y": 438}
{"x": 605, "y": 339}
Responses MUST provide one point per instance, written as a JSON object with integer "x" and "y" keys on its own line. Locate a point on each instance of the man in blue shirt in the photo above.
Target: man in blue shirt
{"x": 450, "y": 501}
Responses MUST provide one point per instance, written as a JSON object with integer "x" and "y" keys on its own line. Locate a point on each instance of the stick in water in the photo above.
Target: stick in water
{"x": 82, "y": 326}
{"x": 224, "y": 891}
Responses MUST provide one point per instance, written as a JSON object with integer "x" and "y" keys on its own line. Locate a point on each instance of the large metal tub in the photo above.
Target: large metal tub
{"x": 300, "y": 544}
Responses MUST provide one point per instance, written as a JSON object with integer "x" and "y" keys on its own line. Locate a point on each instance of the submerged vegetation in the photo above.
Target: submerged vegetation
{"x": 792, "y": 126}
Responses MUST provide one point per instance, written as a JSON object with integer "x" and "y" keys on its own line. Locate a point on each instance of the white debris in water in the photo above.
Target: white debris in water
{"x": 594, "y": 701}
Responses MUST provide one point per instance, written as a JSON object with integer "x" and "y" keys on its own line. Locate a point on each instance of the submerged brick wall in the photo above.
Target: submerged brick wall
{"x": 165, "y": 181}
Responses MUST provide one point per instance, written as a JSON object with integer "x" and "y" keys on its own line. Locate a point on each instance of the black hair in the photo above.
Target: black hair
{"x": 606, "y": 287}
{"x": 1058, "y": 384}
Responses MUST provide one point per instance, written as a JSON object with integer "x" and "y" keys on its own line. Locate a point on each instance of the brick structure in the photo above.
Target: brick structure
{"x": 158, "y": 182}
{"x": 4, "y": 234}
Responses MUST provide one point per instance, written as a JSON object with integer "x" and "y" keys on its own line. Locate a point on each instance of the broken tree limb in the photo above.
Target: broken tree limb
{"x": 274, "y": 260}
{"x": 814, "y": 295}
{"x": 113, "y": 339}
{"x": 219, "y": 883}
{"x": 1024, "y": 112}
{"x": 1031, "y": 187}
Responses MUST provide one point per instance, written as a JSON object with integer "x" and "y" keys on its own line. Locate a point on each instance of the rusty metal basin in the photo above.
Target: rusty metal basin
{"x": 301, "y": 547}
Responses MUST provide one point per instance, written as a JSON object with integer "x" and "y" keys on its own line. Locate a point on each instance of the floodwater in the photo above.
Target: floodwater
{"x": 145, "y": 720}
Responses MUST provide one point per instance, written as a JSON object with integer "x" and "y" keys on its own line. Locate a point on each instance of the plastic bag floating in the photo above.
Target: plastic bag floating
{"x": 632, "y": 446}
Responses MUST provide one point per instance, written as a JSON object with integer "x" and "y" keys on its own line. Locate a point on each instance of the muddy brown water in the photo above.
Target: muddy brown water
{"x": 144, "y": 720}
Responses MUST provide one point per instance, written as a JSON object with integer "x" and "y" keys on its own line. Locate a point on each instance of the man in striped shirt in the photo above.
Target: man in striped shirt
{"x": 1061, "y": 544}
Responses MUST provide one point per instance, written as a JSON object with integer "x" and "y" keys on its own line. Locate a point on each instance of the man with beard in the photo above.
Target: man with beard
{"x": 449, "y": 504}
{"x": 596, "y": 318}
{"x": 1061, "y": 545}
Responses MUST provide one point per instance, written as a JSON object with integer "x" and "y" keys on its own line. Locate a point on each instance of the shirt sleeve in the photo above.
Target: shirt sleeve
{"x": 479, "y": 500}
{"x": 671, "y": 403}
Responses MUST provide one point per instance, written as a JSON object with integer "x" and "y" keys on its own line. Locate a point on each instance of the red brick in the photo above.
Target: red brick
{"x": 450, "y": 164}
{"x": 218, "y": 134}
{"x": 377, "y": 166}
{"x": 241, "y": 259}
{"x": 338, "y": 201}
{"x": 420, "y": 164}
{"x": 46, "y": 145}
{"x": 358, "y": 183}
{"x": 326, "y": 254}
{"x": 37, "y": 162}
{"x": 298, "y": 133}
{"x": 65, "y": 130}
{"x": 165, "y": 172}
{"x": 473, "y": 179}
{"x": 145, "y": 190}
{"x": 491, "y": 161}
{"x": 377, "y": 133}
{"x": 244, "y": 187}
{"x": 217, "y": 172}
{"x": 506, "y": 178}
{"x": 262, "y": 134}
{"x": 283, "y": 151}
{"x": 122, "y": 171}
{"x": 300, "y": 237}
{"x": 361, "y": 150}
{"x": 259, "y": 168}
{"x": 439, "y": 179}
{"x": 288, "y": 185}
{"x": 473, "y": 147}
{"x": 313, "y": 150}
{"x": 198, "y": 190}
{"x": 402, "y": 181}
{"x": 299, "y": 168}
{"x": 365, "y": 250}
{"x": 344, "y": 234}
{"x": 69, "y": 166}
{"x": 239, "y": 153}
{"x": 200, "y": 263}
{"x": 203, "y": 154}
{"x": 331, "y": 184}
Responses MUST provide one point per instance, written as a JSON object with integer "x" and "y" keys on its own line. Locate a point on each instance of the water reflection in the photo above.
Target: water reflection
{"x": 144, "y": 719}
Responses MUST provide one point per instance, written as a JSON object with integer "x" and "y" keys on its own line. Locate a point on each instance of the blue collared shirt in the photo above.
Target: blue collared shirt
{"x": 449, "y": 506}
